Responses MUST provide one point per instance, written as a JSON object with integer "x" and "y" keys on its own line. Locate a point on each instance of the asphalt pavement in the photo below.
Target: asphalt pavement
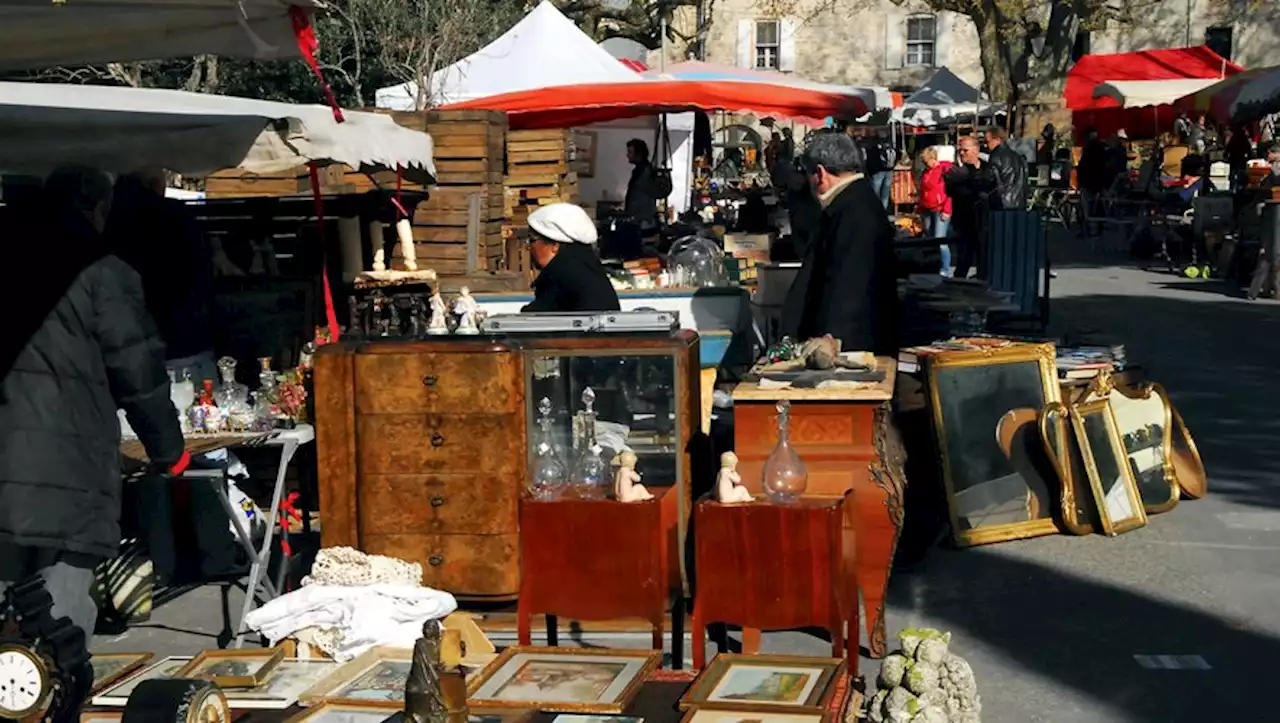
{"x": 1178, "y": 621}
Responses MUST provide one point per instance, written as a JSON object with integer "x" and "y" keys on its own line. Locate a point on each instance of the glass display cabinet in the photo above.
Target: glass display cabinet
{"x": 427, "y": 445}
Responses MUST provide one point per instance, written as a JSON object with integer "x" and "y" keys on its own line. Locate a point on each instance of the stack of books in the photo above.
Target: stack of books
{"x": 1085, "y": 362}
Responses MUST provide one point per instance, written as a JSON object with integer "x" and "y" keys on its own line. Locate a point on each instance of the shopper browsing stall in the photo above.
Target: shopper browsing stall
{"x": 846, "y": 285}
{"x": 935, "y": 204}
{"x": 562, "y": 239}
{"x": 79, "y": 345}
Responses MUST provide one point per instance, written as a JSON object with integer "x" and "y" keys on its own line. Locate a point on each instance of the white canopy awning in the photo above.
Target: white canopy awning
{"x": 46, "y": 33}
{"x": 543, "y": 50}
{"x": 45, "y": 125}
{"x": 1145, "y": 93}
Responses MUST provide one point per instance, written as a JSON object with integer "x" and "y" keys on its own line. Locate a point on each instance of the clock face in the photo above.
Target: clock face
{"x": 22, "y": 683}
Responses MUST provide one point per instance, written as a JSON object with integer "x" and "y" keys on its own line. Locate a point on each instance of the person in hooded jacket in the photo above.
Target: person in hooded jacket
{"x": 78, "y": 346}
{"x": 562, "y": 240}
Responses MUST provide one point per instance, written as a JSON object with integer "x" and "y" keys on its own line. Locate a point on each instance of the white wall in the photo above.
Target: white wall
{"x": 612, "y": 171}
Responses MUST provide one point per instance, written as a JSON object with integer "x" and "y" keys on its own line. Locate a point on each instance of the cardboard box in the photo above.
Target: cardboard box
{"x": 747, "y": 242}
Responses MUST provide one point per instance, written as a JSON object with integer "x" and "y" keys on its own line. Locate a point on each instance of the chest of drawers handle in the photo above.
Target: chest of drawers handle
{"x": 437, "y": 501}
{"x": 437, "y": 440}
{"x": 436, "y": 560}
{"x": 429, "y": 381}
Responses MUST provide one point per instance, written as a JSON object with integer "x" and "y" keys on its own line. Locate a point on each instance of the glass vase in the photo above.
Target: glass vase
{"x": 785, "y": 477}
{"x": 590, "y": 478}
{"x": 549, "y": 475}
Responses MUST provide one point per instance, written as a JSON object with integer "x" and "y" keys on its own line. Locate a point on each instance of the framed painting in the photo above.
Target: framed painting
{"x": 747, "y": 714}
{"x": 118, "y": 693}
{"x": 346, "y": 713}
{"x": 101, "y": 716}
{"x": 233, "y": 668}
{"x": 562, "y": 680}
{"x": 290, "y": 679}
{"x": 779, "y": 683}
{"x": 375, "y": 678}
{"x": 111, "y": 667}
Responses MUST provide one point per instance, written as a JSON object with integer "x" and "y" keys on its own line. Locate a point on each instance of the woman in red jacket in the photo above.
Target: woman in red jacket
{"x": 935, "y": 205}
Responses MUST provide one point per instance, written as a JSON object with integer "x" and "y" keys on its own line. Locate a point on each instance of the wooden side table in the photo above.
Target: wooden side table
{"x": 771, "y": 567}
{"x": 597, "y": 560}
{"x": 847, "y": 440}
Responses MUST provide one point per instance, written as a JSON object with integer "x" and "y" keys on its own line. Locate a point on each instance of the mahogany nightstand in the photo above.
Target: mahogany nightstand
{"x": 597, "y": 560}
{"x": 772, "y": 567}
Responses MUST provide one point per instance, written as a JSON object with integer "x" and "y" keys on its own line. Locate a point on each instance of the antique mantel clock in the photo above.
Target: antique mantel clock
{"x": 43, "y": 662}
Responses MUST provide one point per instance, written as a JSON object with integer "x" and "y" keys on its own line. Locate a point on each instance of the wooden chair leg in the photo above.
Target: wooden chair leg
{"x": 699, "y": 631}
{"x": 677, "y": 633}
{"x": 658, "y": 643}
{"x": 523, "y": 632}
{"x": 852, "y": 645}
{"x": 750, "y": 640}
{"x": 553, "y": 631}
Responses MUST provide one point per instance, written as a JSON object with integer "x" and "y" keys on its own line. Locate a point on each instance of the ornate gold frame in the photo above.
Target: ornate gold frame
{"x": 653, "y": 659}
{"x": 819, "y": 700}
{"x": 138, "y": 660}
{"x": 1057, "y": 413}
{"x": 270, "y": 658}
{"x": 1043, "y": 355}
{"x": 1184, "y": 483}
{"x": 1103, "y": 385}
{"x": 1103, "y": 407}
{"x": 327, "y": 688}
{"x": 691, "y": 713}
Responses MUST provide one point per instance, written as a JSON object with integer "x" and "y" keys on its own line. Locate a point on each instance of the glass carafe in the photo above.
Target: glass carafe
{"x": 183, "y": 394}
{"x": 549, "y": 475}
{"x": 785, "y": 477}
{"x": 267, "y": 382}
{"x": 232, "y": 396}
{"x": 590, "y": 478}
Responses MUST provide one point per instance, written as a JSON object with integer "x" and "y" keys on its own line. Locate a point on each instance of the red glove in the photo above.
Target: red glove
{"x": 181, "y": 465}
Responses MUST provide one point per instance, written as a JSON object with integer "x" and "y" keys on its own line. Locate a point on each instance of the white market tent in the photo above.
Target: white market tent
{"x": 544, "y": 49}
{"x": 45, "y": 125}
{"x": 942, "y": 97}
{"x": 45, "y": 33}
{"x": 1147, "y": 93}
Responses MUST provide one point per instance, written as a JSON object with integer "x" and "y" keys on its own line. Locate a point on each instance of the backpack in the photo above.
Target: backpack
{"x": 662, "y": 184}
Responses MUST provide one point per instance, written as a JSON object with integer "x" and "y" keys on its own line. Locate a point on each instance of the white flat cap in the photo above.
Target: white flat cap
{"x": 566, "y": 223}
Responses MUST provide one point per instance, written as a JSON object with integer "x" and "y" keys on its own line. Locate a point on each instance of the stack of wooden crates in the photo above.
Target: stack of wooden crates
{"x": 540, "y": 171}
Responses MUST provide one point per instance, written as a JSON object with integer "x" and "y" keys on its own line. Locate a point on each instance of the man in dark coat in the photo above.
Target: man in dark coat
{"x": 968, "y": 184}
{"x": 641, "y": 202}
{"x": 79, "y": 345}
{"x": 846, "y": 286}
{"x": 1009, "y": 169}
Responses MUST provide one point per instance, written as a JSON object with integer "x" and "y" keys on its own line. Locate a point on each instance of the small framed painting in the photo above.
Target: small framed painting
{"x": 101, "y": 716}
{"x": 111, "y": 667}
{"x": 346, "y": 713}
{"x": 118, "y": 693}
{"x": 747, "y": 714}
{"x": 287, "y": 682}
{"x": 577, "y": 718}
{"x": 562, "y": 680}
{"x": 765, "y": 682}
{"x": 233, "y": 668}
{"x": 375, "y": 678}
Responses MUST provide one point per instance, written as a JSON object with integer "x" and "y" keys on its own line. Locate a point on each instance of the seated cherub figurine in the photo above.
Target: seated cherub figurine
{"x": 626, "y": 481}
{"x": 729, "y": 483}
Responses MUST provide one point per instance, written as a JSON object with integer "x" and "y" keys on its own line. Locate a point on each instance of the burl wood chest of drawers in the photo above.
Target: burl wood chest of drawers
{"x": 423, "y": 446}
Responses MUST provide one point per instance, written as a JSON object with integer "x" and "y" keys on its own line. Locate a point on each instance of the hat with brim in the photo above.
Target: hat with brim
{"x": 564, "y": 223}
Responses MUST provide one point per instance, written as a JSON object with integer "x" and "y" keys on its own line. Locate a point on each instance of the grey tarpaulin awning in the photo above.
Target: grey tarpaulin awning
{"x": 44, "y": 125}
{"x": 943, "y": 97}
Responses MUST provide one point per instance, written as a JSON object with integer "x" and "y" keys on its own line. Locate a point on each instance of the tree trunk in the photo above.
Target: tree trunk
{"x": 996, "y": 68}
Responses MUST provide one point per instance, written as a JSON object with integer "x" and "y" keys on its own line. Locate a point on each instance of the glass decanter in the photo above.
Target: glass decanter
{"x": 590, "y": 478}
{"x": 183, "y": 395}
{"x": 785, "y": 477}
{"x": 549, "y": 475}
{"x": 267, "y": 382}
{"x": 231, "y": 396}
{"x": 263, "y": 421}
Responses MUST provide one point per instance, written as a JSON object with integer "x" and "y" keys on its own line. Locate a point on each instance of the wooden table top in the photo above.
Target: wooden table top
{"x": 881, "y": 391}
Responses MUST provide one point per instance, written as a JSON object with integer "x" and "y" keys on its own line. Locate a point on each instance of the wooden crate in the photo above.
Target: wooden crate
{"x": 236, "y": 183}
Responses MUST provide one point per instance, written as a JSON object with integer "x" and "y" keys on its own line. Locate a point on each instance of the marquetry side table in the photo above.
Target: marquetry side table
{"x": 772, "y": 567}
{"x": 597, "y": 560}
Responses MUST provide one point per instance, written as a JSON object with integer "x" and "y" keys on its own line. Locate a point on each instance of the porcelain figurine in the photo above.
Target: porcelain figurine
{"x": 465, "y": 307}
{"x": 728, "y": 482}
{"x": 626, "y": 481}
{"x": 437, "y": 325}
{"x": 379, "y": 246}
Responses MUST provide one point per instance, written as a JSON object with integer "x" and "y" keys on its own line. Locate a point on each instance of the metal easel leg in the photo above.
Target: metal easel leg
{"x": 260, "y": 557}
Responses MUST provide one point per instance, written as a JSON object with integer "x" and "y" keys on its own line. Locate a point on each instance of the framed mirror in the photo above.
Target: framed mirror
{"x": 1078, "y": 507}
{"x": 1144, "y": 419}
{"x": 991, "y": 496}
{"x": 1188, "y": 469}
{"x": 1111, "y": 477}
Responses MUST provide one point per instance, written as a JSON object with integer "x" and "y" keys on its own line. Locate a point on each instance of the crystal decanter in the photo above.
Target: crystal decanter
{"x": 785, "y": 477}
{"x": 590, "y": 477}
{"x": 267, "y": 382}
{"x": 232, "y": 396}
{"x": 549, "y": 475}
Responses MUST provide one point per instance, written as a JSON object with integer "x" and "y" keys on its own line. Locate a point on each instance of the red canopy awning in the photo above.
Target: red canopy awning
{"x": 1164, "y": 64}
{"x": 574, "y": 105}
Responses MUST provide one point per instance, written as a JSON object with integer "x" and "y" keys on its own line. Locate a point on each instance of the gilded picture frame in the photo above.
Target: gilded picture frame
{"x": 1188, "y": 467}
{"x": 117, "y": 694}
{"x": 1077, "y": 504}
{"x": 109, "y": 668}
{"x": 1126, "y": 405}
{"x": 1108, "y": 458}
{"x": 1037, "y": 357}
{"x": 746, "y": 714}
{"x": 375, "y": 678}
{"x": 253, "y": 667}
{"x": 774, "y": 683}
{"x": 565, "y": 679}
{"x": 344, "y": 712}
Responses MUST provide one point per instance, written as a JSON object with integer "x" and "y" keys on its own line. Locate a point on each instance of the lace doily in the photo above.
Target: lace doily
{"x": 349, "y": 567}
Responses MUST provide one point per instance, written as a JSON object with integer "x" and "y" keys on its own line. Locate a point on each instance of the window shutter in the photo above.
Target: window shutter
{"x": 895, "y": 40}
{"x": 746, "y": 44}
{"x": 787, "y": 44}
{"x": 942, "y": 39}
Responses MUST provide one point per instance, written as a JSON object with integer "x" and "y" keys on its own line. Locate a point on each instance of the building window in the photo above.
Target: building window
{"x": 1219, "y": 39}
{"x": 921, "y": 37}
{"x": 768, "y": 44}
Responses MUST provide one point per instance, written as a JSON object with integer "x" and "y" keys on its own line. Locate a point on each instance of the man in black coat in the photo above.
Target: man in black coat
{"x": 969, "y": 184}
{"x": 78, "y": 346}
{"x": 846, "y": 286}
{"x": 641, "y": 202}
{"x": 1009, "y": 169}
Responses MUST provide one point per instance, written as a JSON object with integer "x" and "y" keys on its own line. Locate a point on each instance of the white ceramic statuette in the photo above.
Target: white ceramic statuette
{"x": 465, "y": 306}
{"x": 626, "y": 481}
{"x": 728, "y": 482}
{"x": 437, "y": 324}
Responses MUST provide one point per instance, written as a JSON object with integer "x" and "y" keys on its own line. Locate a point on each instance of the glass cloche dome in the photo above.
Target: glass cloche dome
{"x": 697, "y": 262}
